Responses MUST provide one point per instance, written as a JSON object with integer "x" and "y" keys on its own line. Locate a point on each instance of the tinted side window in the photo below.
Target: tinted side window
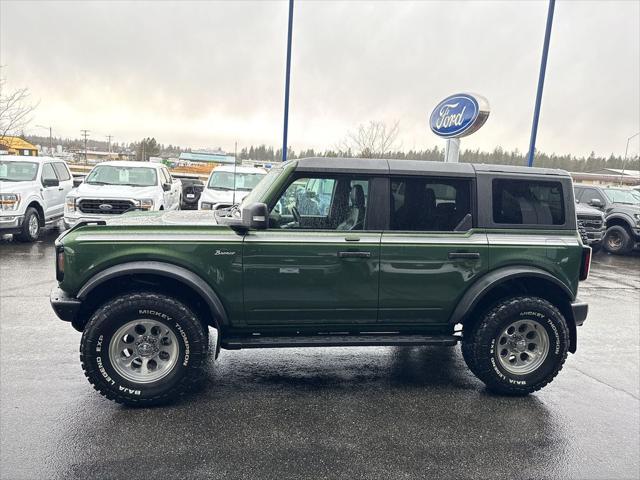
{"x": 61, "y": 171}
{"x": 48, "y": 173}
{"x": 429, "y": 204}
{"x": 591, "y": 194}
{"x": 322, "y": 203}
{"x": 524, "y": 202}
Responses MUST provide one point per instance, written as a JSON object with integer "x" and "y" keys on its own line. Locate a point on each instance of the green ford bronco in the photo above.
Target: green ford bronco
{"x": 333, "y": 252}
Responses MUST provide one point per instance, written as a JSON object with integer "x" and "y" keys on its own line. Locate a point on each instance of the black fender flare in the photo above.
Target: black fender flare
{"x": 181, "y": 274}
{"x": 620, "y": 216}
{"x": 486, "y": 283}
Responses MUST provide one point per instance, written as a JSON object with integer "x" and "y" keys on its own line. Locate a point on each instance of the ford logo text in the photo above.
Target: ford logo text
{"x": 459, "y": 115}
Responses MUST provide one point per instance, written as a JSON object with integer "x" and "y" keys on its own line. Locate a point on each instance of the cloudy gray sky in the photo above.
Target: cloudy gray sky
{"x": 206, "y": 73}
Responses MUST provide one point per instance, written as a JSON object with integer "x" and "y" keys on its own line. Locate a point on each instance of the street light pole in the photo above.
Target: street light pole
{"x": 50, "y": 137}
{"x": 286, "y": 84}
{"x": 543, "y": 69}
{"x": 626, "y": 150}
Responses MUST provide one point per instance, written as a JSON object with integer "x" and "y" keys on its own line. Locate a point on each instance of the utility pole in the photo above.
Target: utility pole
{"x": 286, "y": 84}
{"x": 85, "y": 134}
{"x": 109, "y": 137}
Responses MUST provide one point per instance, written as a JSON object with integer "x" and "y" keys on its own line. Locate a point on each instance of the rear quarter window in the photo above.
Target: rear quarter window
{"x": 525, "y": 202}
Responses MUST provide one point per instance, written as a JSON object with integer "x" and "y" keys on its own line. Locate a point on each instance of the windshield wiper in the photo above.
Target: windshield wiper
{"x": 95, "y": 182}
{"x": 9, "y": 180}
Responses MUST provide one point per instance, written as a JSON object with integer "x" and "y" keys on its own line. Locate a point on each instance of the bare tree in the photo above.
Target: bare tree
{"x": 15, "y": 109}
{"x": 373, "y": 140}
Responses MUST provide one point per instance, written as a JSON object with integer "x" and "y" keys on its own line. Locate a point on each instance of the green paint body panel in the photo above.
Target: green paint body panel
{"x": 296, "y": 279}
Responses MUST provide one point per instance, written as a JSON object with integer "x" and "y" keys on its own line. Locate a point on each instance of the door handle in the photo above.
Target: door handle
{"x": 60, "y": 189}
{"x": 354, "y": 254}
{"x": 464, "y": 255}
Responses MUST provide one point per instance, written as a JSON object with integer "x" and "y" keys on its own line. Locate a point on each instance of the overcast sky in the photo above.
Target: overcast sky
{"x": 205, "y": 73}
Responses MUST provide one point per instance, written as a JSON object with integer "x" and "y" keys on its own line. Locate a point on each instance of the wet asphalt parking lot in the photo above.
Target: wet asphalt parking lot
{"x": 351, "y": 413}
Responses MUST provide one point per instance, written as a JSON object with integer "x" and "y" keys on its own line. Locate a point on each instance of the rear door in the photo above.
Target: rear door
{"x": 430, "y": 253}
{"x": 317, "y": 263}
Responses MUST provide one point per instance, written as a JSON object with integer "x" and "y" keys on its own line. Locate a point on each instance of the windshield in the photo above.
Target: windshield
{"x": 18, "y": 171}
{"x": 258, "y": 192}
{"x": 618, "y": 195}
{"x": 121, "y": 175}
{"x": 220, "y": 180}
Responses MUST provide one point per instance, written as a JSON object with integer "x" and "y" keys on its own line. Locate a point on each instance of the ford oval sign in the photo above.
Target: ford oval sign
{"x": 459, "y": 115}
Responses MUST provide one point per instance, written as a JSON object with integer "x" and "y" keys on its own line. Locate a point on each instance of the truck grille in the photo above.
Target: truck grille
{"x": 590, "y": 222}
{"x": 104, "y": 207}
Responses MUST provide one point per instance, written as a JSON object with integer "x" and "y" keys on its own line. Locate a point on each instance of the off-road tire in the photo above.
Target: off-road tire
{"x": 190, "y": 332}
{"x": 480, "y": 352}
{"x": 25, "y": 235}
{"x": 622, "y": 246}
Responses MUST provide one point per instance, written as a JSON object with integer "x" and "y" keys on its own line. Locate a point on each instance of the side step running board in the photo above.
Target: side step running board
{"x": 236, "y": 343}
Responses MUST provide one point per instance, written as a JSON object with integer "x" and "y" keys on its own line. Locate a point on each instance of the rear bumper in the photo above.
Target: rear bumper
{"x": 580, "y": 311}
{"x": 65, "y": 306}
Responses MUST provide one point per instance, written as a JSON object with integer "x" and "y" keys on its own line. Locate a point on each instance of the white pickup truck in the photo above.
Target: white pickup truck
{"x": 228, "y": 185}
{"x": 112, "y": 188}
{"x": 32, "y": 194}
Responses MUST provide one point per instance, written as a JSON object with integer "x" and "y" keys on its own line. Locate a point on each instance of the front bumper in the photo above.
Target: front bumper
{"x": 65, "y": 306}
{"x": 580, "y": 311}
{"x": 10, "y": 224}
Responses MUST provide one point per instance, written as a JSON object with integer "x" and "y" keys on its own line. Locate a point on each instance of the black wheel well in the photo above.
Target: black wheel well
{"x": 532, "y": 286}
{"x": 619, "y": 222}
{"x": 40, "y": 211}
{"x": 145, "y": 282}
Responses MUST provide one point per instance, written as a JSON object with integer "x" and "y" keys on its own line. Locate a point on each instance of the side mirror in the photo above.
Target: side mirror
{"x": 166, "y": 187}
{"x": 255, "y": 216}
{"x": 50, "y": 182}
{"x": 596, "y": 202}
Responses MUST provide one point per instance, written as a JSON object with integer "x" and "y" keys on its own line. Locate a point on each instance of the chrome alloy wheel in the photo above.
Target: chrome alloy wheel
{"x": 143, "y": 351}
{"x": 33, "y": 226}
{"x": 522, "y": 347}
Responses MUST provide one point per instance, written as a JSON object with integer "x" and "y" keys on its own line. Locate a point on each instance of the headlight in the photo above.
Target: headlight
{"x": 146, "y": 204}
{"x": 9, "y": 201}
{"x": 70, "y": 204}
{"x": 206, "y": 206}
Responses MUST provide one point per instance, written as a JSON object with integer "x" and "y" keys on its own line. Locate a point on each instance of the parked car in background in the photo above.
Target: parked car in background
{"x": 32, "y": 194}
{"x": 112, "y": 188}
{"x": 192, "y": 188}
{"x": 229, "y": 185}
{"x": 408, "y": 253}
{"x": 621, "y": 208}
{"x": 591, "y": 225}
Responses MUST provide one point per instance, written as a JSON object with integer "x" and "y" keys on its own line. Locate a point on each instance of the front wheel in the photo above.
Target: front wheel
{"x": 517, "y": 347}
{"x": 30, "y": 226}
{"x": 143, "y": 349}
{"x": 617, "y": 240}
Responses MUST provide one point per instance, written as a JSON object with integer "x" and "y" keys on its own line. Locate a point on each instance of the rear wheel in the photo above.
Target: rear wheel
{"x": 30, "y": 226}
{"x": 617, "y": 240}
{"x": 517, "y": 347}
{"x": 143, "y": 349}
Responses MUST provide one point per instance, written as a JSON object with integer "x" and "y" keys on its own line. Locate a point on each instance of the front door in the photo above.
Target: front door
{"x": 316, "y": 264}
{"x": 53, "y": 196}
{"x": 430, "y": 255}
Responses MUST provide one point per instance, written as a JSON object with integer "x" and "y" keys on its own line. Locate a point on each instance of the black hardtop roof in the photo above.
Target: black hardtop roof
{"x": 412, "y": 167}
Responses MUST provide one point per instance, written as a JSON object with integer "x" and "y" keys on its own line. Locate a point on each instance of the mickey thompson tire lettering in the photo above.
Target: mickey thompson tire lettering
{"x": 192, "y": 349}
{"x": 480, "y": 352}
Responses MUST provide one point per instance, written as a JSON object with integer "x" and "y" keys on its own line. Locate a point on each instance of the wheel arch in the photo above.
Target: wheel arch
{"x": 620, "y": 220}
{"x": 162, "y": 277}
{"x": 504, "y": 282}
{"x": 36, "y": 204}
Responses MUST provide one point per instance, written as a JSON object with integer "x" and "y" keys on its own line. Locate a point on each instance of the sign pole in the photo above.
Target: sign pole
{"x": 543, "y": 68}
{"x": 452, "y": 150}
{"x": 286, "y": 84}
